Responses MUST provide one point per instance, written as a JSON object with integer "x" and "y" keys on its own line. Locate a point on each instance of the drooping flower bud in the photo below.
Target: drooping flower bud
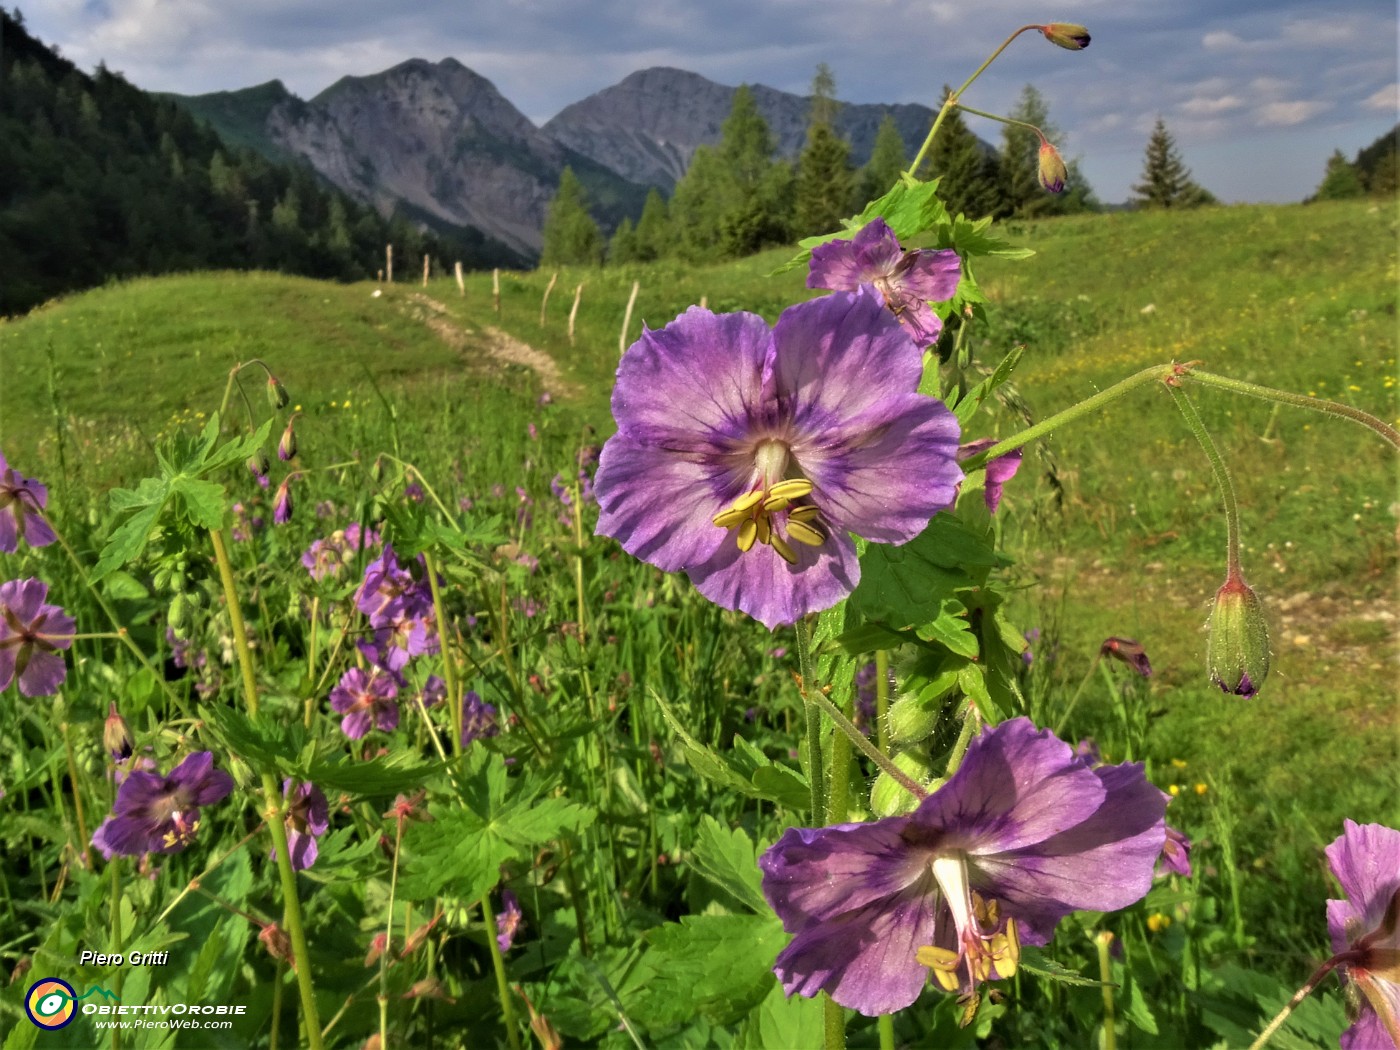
{"x": 1130, "y": 652}
{"x": 890, "y": 798}
{"x": 277, "y": 943}
{"x": 257, "y": 464}
{"x": 282, "y": 505}
{"x": 1237, "y": 642}
{"x": 1067, "y": 35}
{"x": 116, "y": 735}
{"x": 1052, "y": 168}
{"x": 287, "y": 447}
{"x": 277, "y": 395}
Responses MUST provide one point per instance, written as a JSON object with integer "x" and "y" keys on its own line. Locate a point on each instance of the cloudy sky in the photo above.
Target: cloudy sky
{"x": 1257, "y": 93}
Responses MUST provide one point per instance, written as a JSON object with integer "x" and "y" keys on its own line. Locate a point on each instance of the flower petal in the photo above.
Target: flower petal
{"x": 1366, "y": 861}
{"x": 844, "y": 265}
{"x": 771, "y": 590}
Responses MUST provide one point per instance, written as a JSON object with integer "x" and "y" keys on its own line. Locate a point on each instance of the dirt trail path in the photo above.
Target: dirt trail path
{"x": 499, "y": 345}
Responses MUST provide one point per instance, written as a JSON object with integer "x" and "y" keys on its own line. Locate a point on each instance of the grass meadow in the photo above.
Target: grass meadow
{"x": 422, "y": 415}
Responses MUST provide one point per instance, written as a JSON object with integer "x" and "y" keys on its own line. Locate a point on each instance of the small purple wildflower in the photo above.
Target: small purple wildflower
{"x": 792, "y": 438}
{"x": 308, "y": 817}
{"x": 1365, "y": 929}
{"x": 907, "y": 280}
{"x": 31, "y": 634}
{"x": 533, "y": 431}
{"x": 1021, "y": 835}
{"x": 1032, "y": 636}
{"x": 1176, "y": 854}
{"x": 478, "y": 719}
{"x": 365, "y": 697}
{"x": 413, "y": 492}
{"x": 546, "y": 398}
{"x": 508, "y": 921}
{"x": 434, "y": 691}
{"x": 160, "y": 814}
{"x": 22, "y": 502}
{"x": 999, "y": 471}
{"x": 282, "y": 504}
{"x": 389, "y": 592}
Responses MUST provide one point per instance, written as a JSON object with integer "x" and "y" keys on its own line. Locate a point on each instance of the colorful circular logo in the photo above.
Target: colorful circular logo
{"x": 51, "y": 1003}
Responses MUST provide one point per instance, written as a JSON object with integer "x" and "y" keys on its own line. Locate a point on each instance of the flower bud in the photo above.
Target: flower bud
{"x": 277, "y": 943}
{"x": 1052, "y": 168}
{"x": 257, "y": 464}
{"x": 177, "y": 616}
{"x": 282, "y": 505}
{"x": 890, "y": 798}
{"x": 1067, "y": 35}
{"x": 1130, "y": 652}
{"x": 287, "y": 447}
{"x": 1237, "y": 640}
{"x": 913, "y": 717}
{"x": 277, "y": 395}
{"x": 116, "y": 735}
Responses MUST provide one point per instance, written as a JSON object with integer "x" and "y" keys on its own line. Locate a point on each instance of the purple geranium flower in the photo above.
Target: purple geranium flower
{"x": 365, "y": 697}
{"x": 160, "y": 814}
{"x": 1176, "y": 854}
{"x": 1021, "y": 835}
{"x": 308, "y": 817}
{"x": 508, "y": 922}
{"x": 999, "y": 471}
{"x": 906, "y": 280}
{"x": 1365, "y": 928}
{"x": 745, "y": 454}
{"x": 22, "y": 501}
{"x": 389, "y": 592}
{"x": 31, "y": 633}
{"x": 478, "y": 719}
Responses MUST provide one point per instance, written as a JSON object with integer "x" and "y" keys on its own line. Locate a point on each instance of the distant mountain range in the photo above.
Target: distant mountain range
{"x": 441, "y": 144}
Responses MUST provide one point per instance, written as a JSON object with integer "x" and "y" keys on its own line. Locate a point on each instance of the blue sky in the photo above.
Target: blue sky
{"x": 1257, "y": 93}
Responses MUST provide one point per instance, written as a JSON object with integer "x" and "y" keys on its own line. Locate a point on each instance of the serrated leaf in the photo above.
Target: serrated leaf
{"x": 203, "y": 502}
{"x": 904, "y": 586}
{"x": 230, "y": 452}
{"x": 716, "y": 965}
{"x": 267, "y": 744}
{"x": 127, "y": 541}
{"x": 782, "y": 1020}
{"x": 910, "y": 208}
{"x": 149, "y": 492}
{"x": 771, "y": 781}
{"x": 970, "y": 239}
{"x": 704, "y": 761}
{"x": 727, "y": 857}
{"x": 457, "y": 847}
{"x": 967, "y": 407}
{"x": 951, "y": 629}
{"x": 392, "y": 774}
{"x": 869, "y": 637}
{"x": 1034, "y": 960}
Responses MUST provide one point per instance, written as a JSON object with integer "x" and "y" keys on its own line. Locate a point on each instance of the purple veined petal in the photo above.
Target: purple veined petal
{"x": 932, "y": 275}
{"x": 197, "y": 777}
{"x": 44, "y": 674}
{"x": 811, "y": 875}
{"x": 1368, "y": 1033}
{"x": 766, "y": 587}
{"x": 866, "y": 958}
{"x": 703, "y": 373}
{"x": 139, "y": 791}
{"x": 845, "y": 264}
{"x": 1016, "y": 787}
{"x": 128, "y": 836}
{"x": 1366, "y": 861}
{"x": 302, "y": 848}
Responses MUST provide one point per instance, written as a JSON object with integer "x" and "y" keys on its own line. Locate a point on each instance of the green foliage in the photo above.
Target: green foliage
{"x": 655, "y": 239}
{"x": 825, "y": 185}
{"x": 1166, "y": 181}
{"x": 969, "y": 174}
{"x": 570, "y": 236}
{"x": 887, "y": 161}
{"x": 1340, "y": 181}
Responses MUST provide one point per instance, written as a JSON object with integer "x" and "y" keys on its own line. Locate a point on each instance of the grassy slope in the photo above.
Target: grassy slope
{"x": 1302, "y": 298}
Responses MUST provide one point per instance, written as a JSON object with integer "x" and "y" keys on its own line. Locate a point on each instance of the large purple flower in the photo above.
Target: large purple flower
{"x": 906, "y": 280}
{"x": 1021, "y": 835}
{"x": 744, "y": 455}
{"x": 22, "y": 501}
{"x": 1365, "y": 928}
{"x": 308, "y": 817}
{"x": 160, "y": 814}
{"x": 31, "y": 633}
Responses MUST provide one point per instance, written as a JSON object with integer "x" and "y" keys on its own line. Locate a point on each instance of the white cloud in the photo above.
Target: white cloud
{"x": 1387, "y": 98}
{"x": 1205, "y": 106}
{"x": 1221, "y": 40}
{"x": 1286, "y": 114}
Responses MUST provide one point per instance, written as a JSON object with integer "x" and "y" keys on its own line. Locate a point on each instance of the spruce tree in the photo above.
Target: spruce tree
{"x": 887, "y": 161}
{"x": 753, "y": 217}
{"x": 1166, "y": 181}
{"x": 698, "y": 206}
{"x": 825, "y": 188}
{"x": 968, "y": 175}
{"x": 623, "y": 246}
{"x": 1340, "y": 181}
{"x": 654, "y": 235}
{"x": 570, "y": 235}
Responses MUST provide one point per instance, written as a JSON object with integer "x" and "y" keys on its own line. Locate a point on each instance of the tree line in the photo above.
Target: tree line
{"x": 100, "y": 180}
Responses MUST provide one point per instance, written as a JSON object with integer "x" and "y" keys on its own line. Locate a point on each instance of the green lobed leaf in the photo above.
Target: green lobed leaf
{"x": 203, "y": 502}
{"x": 781, "y": 1020}
{"x": 728, "y": 858}
{"x": 951, "y": 629}
{"x": 1034, "y": 960}
{"x": 128, "y": 541}
{"x": 267, "y": 744}
{"x": 716, "y": 965}
{"x": 391, "y": 774}
{"x": 905, "y": 586}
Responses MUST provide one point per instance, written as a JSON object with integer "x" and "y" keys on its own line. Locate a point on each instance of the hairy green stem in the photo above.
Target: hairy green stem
{"x": 1285, "y": 397}
{"x": 449, "y": 667}
{"x": 808, "y": 688}
{"x": 971, "y": 720}
{"x": 296, "y": 932}
{"x": 814, "y": 697}
{"x": 1102, "y": 940}
{"x": 952, "y": 99}
{"x": 84, "y": 849}
{"x": 1222, "y": 478}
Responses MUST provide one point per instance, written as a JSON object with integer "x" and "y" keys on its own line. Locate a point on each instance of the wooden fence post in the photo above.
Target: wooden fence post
{"x": 496, "y": 290}
{"x": 461, "y": 284}
{"x": 389, "y": 262}
{"x": 545, "y": 301}
{"x": 627, "y": 318}
{"x": 425, "y": 270}
{"x": 704, "y": 301}
{"x": 573, "y": 313}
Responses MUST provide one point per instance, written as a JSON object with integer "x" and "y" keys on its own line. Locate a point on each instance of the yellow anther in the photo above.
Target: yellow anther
{"x": 726, "y": 519}
{"x": 748, "y": 532}
{"x": 748, "y": 500}
{"x": 784, "y": 551}
{"x": 793, "y": 488}
{"x": 765, "y": 529}
{"x": 804, "y": 533}
{"x": 943, "y": 963}
{"x": 803, "y": 513}
{"x": 776, "y": 503}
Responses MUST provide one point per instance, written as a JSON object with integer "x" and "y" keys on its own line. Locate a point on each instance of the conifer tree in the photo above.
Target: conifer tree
{"x": 654, "y": 235}
{"x": 752, "y": 215}
{"x": 887, "y": 161}
{"x": 825, "y": 185}
{"x": 1166, "y": 181}
{"x": 622, "y": 248}
{"x": 570, "y": 235}
{"x": 1340, "y": 180}
{"x": 698, "y": 207}
{"x": 1021, "y": 191}
{"x": 968, "y": 175}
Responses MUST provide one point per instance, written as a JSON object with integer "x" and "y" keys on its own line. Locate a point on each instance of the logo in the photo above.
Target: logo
{"x": 50, "y": 1002}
